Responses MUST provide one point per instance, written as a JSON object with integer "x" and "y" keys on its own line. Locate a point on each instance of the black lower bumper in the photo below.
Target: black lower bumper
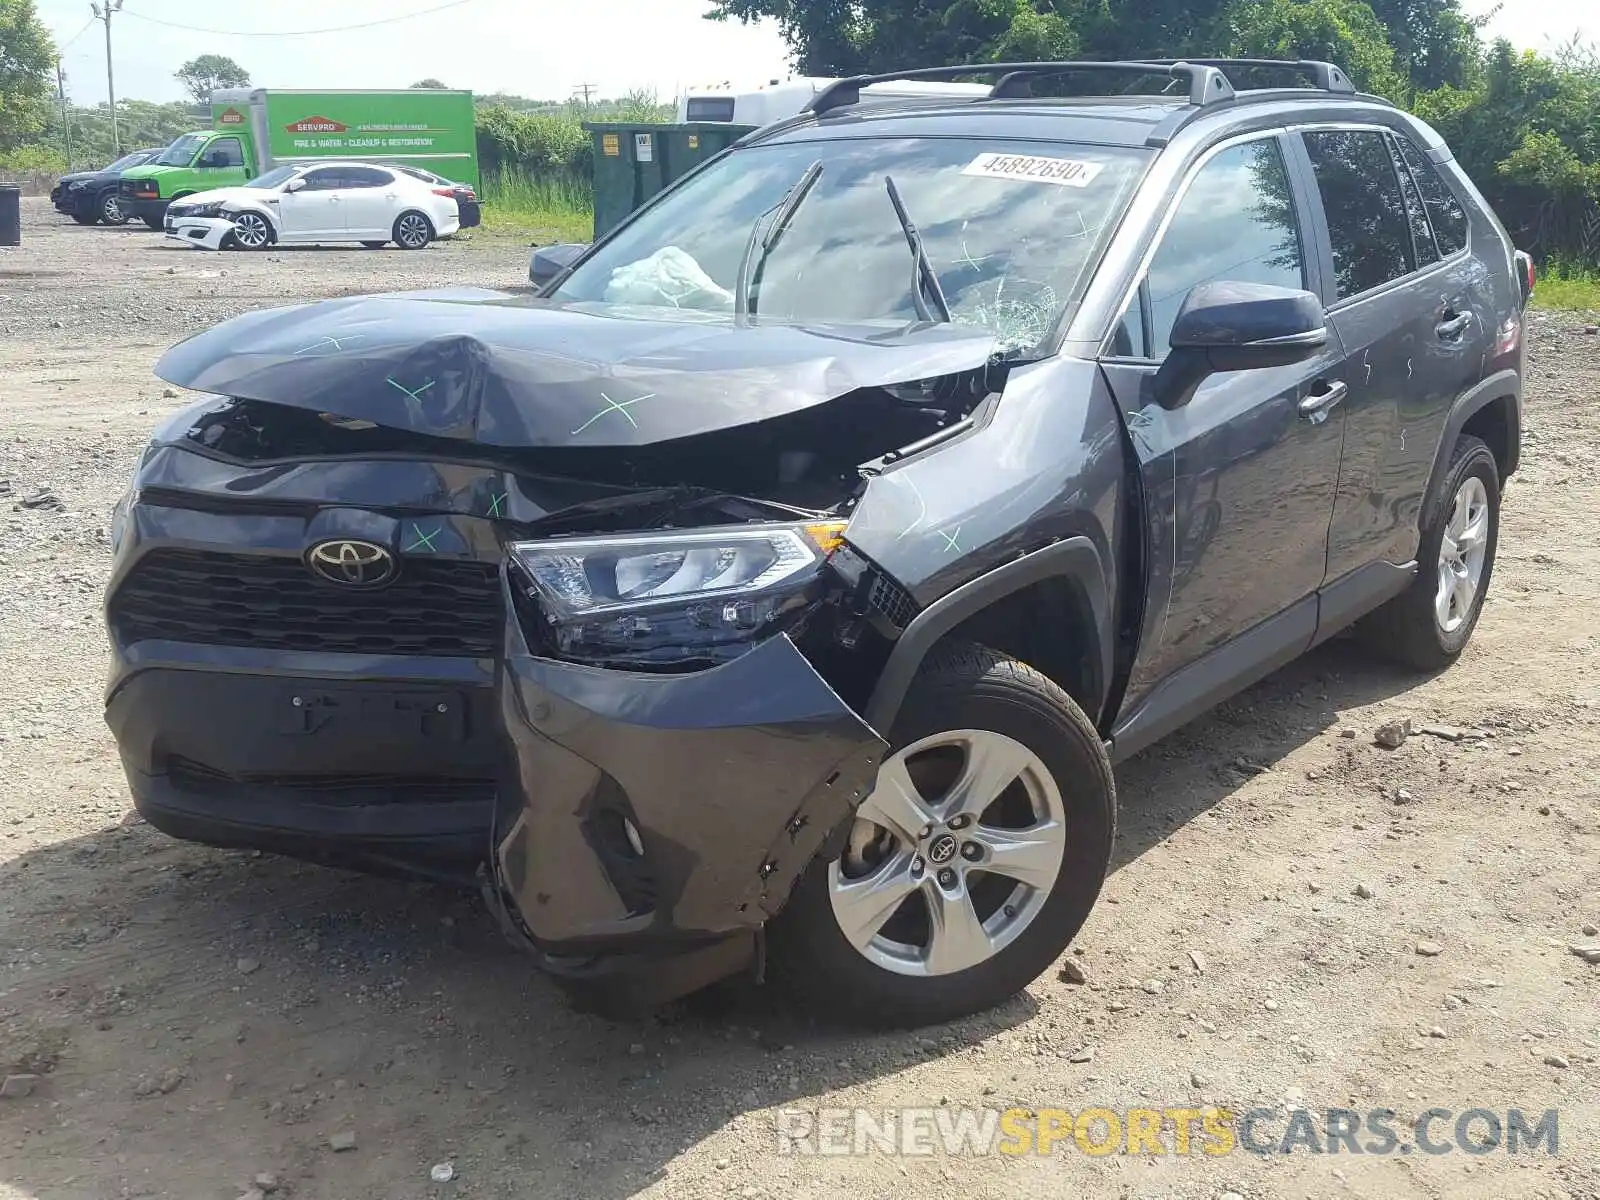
{"x": 471, "y": 213}
{"x": 369, "y": 777}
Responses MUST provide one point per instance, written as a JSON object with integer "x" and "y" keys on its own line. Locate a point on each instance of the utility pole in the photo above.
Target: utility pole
{"x": 66, "y": 125}
{"x": 102, "y": 12}
{"x": 588, "y": 89}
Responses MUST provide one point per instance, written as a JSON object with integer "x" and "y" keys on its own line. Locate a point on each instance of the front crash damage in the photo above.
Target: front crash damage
{"x": 651, "y": 811}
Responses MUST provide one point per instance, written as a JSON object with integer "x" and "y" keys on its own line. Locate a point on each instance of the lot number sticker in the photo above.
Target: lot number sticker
{"x": 1063, "y": 172}
{"x": 644, "y": 147}
{"x": 611, "y": 144}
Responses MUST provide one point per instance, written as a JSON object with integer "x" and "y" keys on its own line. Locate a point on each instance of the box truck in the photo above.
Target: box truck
{"x": 255, "y": 129}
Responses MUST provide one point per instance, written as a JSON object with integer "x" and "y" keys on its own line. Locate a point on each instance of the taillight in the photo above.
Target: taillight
{"x": 451, "y": 192}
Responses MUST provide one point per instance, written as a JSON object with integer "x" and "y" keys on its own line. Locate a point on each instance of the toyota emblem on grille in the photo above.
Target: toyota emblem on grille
{"x": 354, "y": 564}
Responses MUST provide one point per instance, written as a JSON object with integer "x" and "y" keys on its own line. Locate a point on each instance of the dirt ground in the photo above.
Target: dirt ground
{"x": 196, "y": 1018}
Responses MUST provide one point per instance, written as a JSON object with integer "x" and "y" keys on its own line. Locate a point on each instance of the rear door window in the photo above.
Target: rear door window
{"x": 1445, "y": 213}
{"x": 1367, "y": 223}
{"x": 366, "y": 177}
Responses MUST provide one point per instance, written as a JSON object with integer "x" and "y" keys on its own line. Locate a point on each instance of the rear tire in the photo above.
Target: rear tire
{"x": 1428, "y": 625}
{"x": 413, "y": 231}
{"x": 86, "y": 218}
{"x": 158, "y": 224}
{"x": 973, "y": 706}
{"x": 374, "y": 245}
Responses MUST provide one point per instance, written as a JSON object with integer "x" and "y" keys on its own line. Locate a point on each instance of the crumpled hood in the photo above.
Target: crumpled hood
{"x": 224, "y": 194}
{"x": 513, "y": 371}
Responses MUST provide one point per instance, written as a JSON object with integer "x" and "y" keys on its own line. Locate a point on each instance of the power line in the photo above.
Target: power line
{"x": 256, "y": 33}
{"x": 86, "y": 26}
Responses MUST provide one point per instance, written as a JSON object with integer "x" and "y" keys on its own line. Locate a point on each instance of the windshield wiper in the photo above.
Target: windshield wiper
{"x": 750, "y": 266}
{"x": 922, "y": 272}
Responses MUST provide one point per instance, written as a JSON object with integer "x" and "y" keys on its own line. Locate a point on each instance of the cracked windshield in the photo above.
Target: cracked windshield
{"x": 980, "y": 232}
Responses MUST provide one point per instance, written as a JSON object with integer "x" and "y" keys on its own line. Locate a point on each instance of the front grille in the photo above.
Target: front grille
{"x": 337, "y": 790}
{"x": 435, "y": 608}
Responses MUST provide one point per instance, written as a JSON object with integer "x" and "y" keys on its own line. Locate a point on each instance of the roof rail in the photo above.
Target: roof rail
{"x": 1325, "y": 76}
{"x": 1207, "y": 84}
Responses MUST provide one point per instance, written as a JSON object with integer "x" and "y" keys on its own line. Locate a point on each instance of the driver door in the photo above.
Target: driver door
{"x": 314, "y": 211}
{"x": 1238, "y": 484}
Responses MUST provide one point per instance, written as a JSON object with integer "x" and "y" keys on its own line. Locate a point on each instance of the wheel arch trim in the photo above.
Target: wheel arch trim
{"x": 1501, "y": 386}
{"x": 1075, "y": 559}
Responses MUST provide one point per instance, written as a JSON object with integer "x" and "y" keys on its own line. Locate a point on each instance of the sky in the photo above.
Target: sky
{"x": 538, "y": 48}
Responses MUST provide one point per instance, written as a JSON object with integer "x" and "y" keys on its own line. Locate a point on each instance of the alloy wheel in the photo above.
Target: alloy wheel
{"x": 111, "y": 210}
{"x": 1462, "y": 553}
{"x": 413, "y": 232}
{"x": 251, "y": 231}
{"x": 952, "y": 856}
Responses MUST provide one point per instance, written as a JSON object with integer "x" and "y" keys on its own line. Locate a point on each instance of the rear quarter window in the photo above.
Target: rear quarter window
{"x": 1445, "y": 213}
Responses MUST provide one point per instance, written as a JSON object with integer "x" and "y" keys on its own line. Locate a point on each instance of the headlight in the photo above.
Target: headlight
{"x": 673, "y": 598}
{"x": 200, "y": 210}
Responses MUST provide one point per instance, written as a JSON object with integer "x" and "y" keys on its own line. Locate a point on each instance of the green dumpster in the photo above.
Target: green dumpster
{"x": 632, "y": 162}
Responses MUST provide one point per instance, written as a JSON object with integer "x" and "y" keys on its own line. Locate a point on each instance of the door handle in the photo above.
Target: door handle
{"x": 1452, "y": 327}
{"x": 1316, "y": 407}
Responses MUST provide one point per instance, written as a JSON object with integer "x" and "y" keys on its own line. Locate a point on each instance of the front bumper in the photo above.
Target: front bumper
{"x": 199, "y": 233}
{"x": 143, "y": 208}
{"x": 619, "y": 821}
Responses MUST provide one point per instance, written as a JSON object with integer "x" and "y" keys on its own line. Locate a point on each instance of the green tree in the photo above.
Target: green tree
{"x": 204, "y": 75}
{"x": 428, "y": 84}
{"x": 27, "y": 60}
{"x": 1341, "y": 31}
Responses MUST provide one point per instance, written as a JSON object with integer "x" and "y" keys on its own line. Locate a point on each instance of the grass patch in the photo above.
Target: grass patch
{"x": 1561, "y": 287}
{"x": 544, "y": 209}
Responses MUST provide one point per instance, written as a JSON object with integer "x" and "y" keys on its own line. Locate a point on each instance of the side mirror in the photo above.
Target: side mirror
{"x": 1231, "y": 326}
{"x": 295, "y": 185}
{"x": 550, "y": 261}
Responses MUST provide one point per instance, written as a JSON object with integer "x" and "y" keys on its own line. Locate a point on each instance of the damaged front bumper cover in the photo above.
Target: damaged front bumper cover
{"x": 668, "y": 817}
{"x": 200, "y": 233}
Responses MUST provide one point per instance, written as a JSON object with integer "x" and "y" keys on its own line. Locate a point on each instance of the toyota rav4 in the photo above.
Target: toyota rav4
{"x": 775, "y": 591}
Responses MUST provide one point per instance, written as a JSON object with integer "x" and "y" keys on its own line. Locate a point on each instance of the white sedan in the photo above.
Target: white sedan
{"x": 311, "y": 203}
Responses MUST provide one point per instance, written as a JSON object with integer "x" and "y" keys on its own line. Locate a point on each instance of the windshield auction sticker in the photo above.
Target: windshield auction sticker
{"x": 1063, "y": 172}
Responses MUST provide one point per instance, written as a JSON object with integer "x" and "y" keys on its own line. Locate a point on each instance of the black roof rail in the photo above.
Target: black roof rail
{"x": 1207, "y": 84}
{"x": 1325, "y": 76}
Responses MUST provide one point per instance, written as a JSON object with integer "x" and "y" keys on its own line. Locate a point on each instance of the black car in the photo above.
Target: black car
{"x": 466, "y": 196}
{"x": 776, "y": 590}
{"x": 92, "y": 197}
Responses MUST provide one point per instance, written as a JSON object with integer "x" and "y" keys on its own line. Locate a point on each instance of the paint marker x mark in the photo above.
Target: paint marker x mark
{"x": 424, "y": 540}
{"x": 613, "y": 407}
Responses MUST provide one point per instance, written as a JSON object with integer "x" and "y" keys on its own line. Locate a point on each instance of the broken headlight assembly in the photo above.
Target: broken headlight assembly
{"x": 673, "y": 599}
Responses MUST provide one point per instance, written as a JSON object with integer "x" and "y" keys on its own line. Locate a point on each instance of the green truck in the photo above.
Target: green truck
{"x": 255, "y": 129}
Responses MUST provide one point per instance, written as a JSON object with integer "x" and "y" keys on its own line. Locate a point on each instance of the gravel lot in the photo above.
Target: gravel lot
{"x": 196, "y": 1018}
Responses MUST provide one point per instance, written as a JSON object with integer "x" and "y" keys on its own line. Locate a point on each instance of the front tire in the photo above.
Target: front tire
{"x": 973, "y": 863}
{"x": 251, "y": 231}
{"x": 413, "y": 231}
{"x": 111, "y": 210}
{"x": 1428, "y": 625}
{"x": 374, "y": 245}
{"x": 158, "y": 224}
{"x": 86, "y": 218}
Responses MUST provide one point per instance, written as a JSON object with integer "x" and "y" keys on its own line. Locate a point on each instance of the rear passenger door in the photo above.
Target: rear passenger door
{"x": 1413, "y": 324}
{"x": 1239, "y": 483}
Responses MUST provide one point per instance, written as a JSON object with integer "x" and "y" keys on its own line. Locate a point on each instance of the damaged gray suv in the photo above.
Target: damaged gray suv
{"x": 774, "y": 592}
